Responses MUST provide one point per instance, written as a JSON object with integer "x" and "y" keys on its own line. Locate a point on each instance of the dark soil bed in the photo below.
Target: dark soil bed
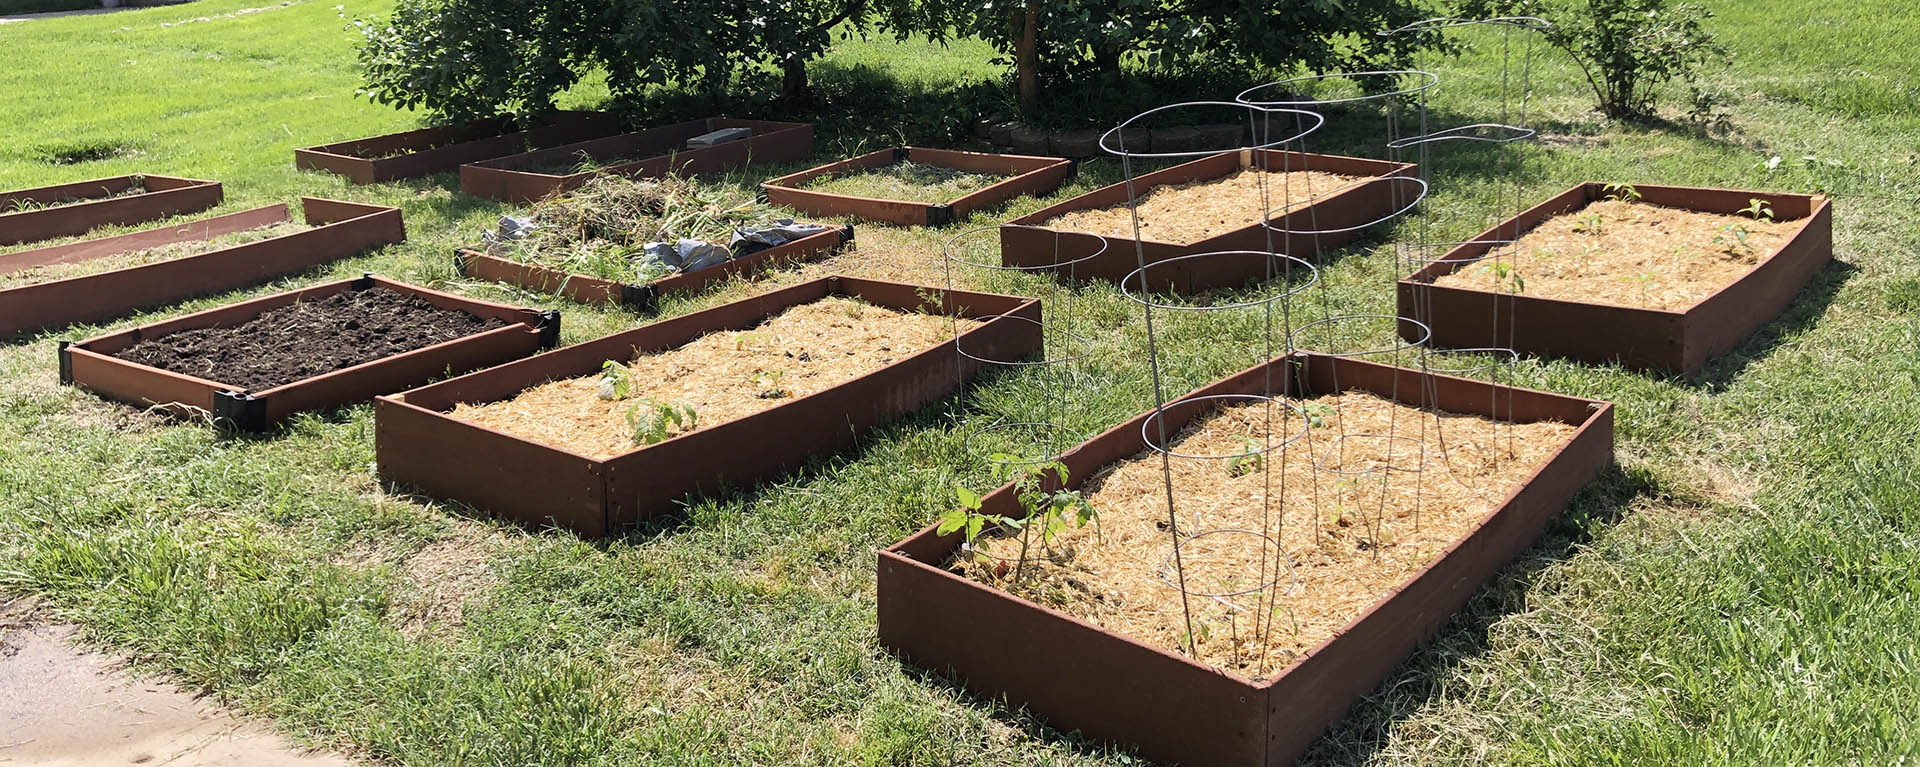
{"x": 308, "y": 339}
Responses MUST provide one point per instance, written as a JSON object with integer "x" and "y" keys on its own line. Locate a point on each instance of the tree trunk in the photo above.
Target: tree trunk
{"x": 1028, "y": 58}
{"x": 794, "y": 90}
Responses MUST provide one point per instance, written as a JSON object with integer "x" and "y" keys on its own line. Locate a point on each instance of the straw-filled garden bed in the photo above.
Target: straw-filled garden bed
{"x": 1197, "y": 210}
{"x": 906, "y": 180}
{"x": 33, "y": 275}
{"x": 1629, "y": 253}
{"x": 719, "y": 377}
{"x": 1349, "y": 542}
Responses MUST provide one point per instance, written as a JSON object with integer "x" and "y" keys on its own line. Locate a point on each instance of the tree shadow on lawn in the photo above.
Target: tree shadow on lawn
{"x": 1357, "y": 737}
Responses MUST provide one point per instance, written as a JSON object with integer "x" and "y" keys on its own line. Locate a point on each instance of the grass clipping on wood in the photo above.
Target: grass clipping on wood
{"x": 1197, "y": 210}
{"x": 906, "y": 180}
{"x": 601, "y": 228}
{"x": 723, "y": 376}
{"x": 1627, "y": 254}
{"x": 1350, "y": 538}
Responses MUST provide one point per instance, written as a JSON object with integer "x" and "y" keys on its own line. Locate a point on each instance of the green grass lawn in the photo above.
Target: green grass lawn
{"x": 1744, "y": 590}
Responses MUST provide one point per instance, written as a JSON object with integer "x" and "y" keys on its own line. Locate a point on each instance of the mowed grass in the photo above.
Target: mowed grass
{"x": 1741, "y": 591}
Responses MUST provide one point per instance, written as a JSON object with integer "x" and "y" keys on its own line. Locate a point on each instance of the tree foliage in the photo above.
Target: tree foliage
{"x": 467, "y": 59}
{"x": 1628, "y": 49}
{"x": 1094, "y": 40}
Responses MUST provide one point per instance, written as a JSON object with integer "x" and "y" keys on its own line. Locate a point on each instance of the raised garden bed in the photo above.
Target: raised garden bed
{"x": 991, "y": 179}
{"x": 1664, "y": 282}
{"x": 658, "y": 151}
{"x": 340, "y": 229}
{"x": 1213, "y": 205}
{"x": 423, "y": 441}
{"x": 427, "y": 151}
{"x": 252, "y": 364}
{"x": 644, "y": 297}
{"x": 30, "y": 215}
{"x": 1130, "y": 687}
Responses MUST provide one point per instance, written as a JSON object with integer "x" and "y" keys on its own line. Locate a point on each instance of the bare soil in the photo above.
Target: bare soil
{"x": 309, "y": 338}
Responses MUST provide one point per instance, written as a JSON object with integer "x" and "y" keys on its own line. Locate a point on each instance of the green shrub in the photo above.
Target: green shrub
{"x": 1628, "y": 49}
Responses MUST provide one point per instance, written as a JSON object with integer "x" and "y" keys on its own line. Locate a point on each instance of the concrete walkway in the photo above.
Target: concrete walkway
{"x": 63, "y": 707}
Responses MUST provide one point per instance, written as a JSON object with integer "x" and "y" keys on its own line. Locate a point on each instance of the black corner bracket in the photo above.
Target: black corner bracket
{"x": 549, "y": 327}
{"x": 243, "y": 412}
{"x": 939, "y": 214}
{"x": 66, "y": 363}
{"x": 365, "y": 281}
{"x": 639, "y": 298}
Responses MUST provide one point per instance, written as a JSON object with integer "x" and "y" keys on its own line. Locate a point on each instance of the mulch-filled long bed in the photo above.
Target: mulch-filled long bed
{"x": 911, "y": 186}
{"x": 1308, "y": 578}
{"x": 108, "y": 277}
{"x": 254, "y": 363}
{"x": 733, "y": 394}
{"x": 1211, "y": 205}
{"x": 1653, "y": 277}
{"x": 441, "y": 149}
{"x": 659, "y": 151}
{"x": 64, "y": 210}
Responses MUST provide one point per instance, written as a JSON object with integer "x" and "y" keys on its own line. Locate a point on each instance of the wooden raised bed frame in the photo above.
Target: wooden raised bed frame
{"x": 165, "y": 196}
{"x": 341, "y": 229}
{"x": 1115, "y": 689}
{"x": 505, "y": 179}
{"x": 419, "y": 445}
{"x": 90, "y": 365}
{"x": 1026, "y": 175}
{"x": 1027, "y": 241}
{"x": 445, "y": 149}
{"x": 1639, "y": 338}
{"x": 477, "y": 263}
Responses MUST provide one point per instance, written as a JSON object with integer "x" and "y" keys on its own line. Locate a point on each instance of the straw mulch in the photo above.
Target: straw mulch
{"x": 1194, "y": 211}
{"x": 724, "y": 375}
{"x": 49, "y": 273}
{"x": 906, "y": 180}
{"x": 1644, "y": 256}
{"x": 1352, "y": 539}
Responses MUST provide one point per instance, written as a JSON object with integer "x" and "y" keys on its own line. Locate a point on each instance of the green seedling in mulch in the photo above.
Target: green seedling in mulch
{"x": 1503, "y": 274}
{"x": 1732, "y": 237}
{"x": 1048, "y": 511}
{"x": 654, "y": 421}
{"x": 1759, "y": 209}
{"x": 1645, "y": 281}
{"x": 1590, "y": 223}
{"x": 1621, "y": 191}
{"x": 768, "y": 382}
{"x": 615, "y": 381}
{"x": 1252, "y": 457}
{"x": 1316, "y": 413}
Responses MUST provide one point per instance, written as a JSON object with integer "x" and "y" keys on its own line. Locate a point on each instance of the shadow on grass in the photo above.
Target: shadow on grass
{"x": 1801, "y": 315}
{"x": 1422, "y": 678}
